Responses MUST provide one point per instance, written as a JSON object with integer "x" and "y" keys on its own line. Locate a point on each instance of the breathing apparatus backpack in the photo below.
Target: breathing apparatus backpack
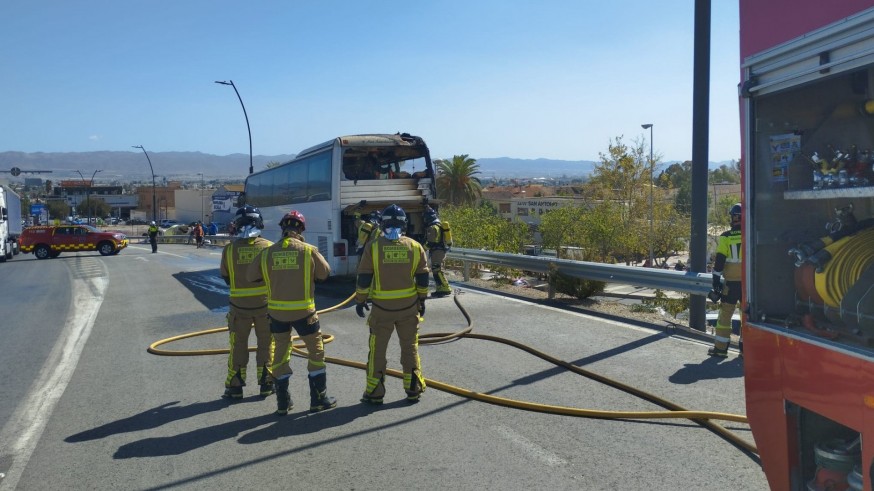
{"x": 446, "y": 231}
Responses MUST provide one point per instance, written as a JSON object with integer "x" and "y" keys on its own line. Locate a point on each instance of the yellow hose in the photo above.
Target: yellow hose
{"x": 675, "y": 411}
{"x": 851, "y": 256}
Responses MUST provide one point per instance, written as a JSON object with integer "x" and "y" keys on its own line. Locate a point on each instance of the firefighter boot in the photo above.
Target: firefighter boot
{"x": 719, "y": 352}
{"x": 319, "y": 398}
{"x": 266, "y": 382}
{"x": 233, "y": 391}
{"x": 416, "y": 387}
{"x": 369, "y": 398}
{"x": 283, "y": 398}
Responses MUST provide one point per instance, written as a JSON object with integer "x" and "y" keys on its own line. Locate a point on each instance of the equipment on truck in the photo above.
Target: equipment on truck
{"x": 10, "y": 223}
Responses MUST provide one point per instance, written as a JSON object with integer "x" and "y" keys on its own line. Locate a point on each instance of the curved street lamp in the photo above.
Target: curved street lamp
{"x": 651, "y": 165}
{"x": 154, "y": 199}
{"x": 88, "y": 193}
{"x": 231, "y": 83}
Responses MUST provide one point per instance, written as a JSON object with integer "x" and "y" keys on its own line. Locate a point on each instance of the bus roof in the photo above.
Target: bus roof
{"x": 373, "y": 140}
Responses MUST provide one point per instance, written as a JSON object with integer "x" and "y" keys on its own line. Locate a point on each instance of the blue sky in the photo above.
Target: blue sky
{"x": 526, "y": 79}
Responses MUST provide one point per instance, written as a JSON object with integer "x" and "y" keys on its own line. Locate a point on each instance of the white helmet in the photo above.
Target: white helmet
{"x": 152, "y": 222}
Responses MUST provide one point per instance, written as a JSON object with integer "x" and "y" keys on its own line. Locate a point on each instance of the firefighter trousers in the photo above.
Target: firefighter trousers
{"x": 310, "y": 333}
{"x": 437, "y": 256}
{"x": 382, "y": 323}
{"x": 240, "y": 324}
{"x": 727, "y": 305}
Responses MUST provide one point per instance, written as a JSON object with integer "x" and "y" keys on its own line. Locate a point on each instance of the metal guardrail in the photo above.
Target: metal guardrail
{"x": 216, "y": 240}
{"x": 663, "y": 279}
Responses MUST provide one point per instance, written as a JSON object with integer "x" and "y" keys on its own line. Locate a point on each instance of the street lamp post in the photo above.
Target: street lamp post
{"x": 201, "y": 197}
{"x": 231, "y": 83}
{"x": 88, "y": 192}
{"x": 651, "y": 166}
{"x": 152, "y": 170}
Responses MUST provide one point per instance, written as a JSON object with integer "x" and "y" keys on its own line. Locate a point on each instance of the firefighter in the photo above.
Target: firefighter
{"x": 153, "y": 236}
{"x": 247, "y": 307}
{"x": 393, "y": 273}
{"x": 290, "y": 269}
{"x": 727, "y": 293}
{"x": 435, "y": 242}
{"x": 368, "y": 231}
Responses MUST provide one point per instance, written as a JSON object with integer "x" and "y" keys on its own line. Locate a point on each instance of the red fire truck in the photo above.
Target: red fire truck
{"x": 807, "y": 118}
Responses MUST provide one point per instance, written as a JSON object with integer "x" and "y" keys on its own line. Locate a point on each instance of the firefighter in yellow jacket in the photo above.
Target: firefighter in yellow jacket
{"x": 728, "y": 265}
{"x": 247, "y": 305}
{"x": 290, "y": 269}
{"x": 393, "y": 273}
{"x": 437, "y": 245}
{"x": 367, "y": 231}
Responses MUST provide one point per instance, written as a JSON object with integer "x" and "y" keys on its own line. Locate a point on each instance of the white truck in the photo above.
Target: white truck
{"x": 10, "y": 223}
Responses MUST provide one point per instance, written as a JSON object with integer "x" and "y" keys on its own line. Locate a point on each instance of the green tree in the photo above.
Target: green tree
{"x": 726, "y": 174}
{"x": 456, "y": 182}
{"x": 719, "y": 214}
{"x": 58, "y": 209}
{"x": 479, "y": 227}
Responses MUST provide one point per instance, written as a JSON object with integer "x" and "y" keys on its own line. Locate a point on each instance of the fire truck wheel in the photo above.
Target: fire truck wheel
{"x": 42, "y": 251}
{"x": 105, "y": 248}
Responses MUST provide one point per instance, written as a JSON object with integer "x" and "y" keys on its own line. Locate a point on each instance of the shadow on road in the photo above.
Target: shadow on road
{"x": 708, "y": 369}
{"x": 149, "y": 419}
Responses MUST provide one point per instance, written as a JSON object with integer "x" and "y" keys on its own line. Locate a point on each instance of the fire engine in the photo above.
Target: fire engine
{"x": 807, "y": 117}
{"x": 50, "y": 241}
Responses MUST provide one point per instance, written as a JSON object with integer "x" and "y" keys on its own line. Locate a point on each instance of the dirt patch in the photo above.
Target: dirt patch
{"x": 535, "y": 289}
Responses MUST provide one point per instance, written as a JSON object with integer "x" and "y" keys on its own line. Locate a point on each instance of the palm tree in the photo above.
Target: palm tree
{"x": 456, "y": 182}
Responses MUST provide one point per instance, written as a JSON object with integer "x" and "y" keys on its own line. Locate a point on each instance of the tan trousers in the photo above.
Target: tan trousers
{"x": 240, "y": 324}
{"x": 382, "y": 323}
{"x": 310, "y": 333}
{"x": 437, "y": 256}
{"x": 730, "y": 298}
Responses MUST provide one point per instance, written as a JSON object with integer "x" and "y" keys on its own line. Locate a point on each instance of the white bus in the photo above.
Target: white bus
{"x": 334, "y": 183}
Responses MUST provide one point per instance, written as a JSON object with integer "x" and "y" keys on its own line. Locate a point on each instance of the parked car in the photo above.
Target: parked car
{"x": 167, "y": 223}
{"x": 49, "y": 241}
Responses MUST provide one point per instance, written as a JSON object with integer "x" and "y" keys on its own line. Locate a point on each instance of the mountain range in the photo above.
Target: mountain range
{"x": 126, "y": 166}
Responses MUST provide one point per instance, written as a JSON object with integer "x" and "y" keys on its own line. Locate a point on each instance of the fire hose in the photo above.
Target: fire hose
{"x": 675, "y": 411}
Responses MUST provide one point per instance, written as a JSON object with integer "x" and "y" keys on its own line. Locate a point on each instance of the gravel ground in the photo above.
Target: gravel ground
{"x": 599, "y": 305}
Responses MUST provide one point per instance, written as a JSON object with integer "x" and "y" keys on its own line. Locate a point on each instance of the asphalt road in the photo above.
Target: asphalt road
{"x": 89, "y": 408}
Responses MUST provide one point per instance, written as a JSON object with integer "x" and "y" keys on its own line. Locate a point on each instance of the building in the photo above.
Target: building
{"x": 165, "y": 201}
{"x": 224, "y": 203}
{"x": 77, "y": 193}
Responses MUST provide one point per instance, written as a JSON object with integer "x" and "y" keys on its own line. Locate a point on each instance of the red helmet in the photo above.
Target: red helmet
{"x": 293, "y": 219}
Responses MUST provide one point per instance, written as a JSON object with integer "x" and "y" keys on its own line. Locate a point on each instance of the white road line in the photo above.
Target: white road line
{"x": 25, "y": 427}
{"x": 159, "y": 252}
{"x": 533, "y": 449}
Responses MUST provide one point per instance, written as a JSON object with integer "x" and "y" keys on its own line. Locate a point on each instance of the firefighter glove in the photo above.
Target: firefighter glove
{"x": 714, "y": 296}
{"x": 360, "y": 308}
{"x": 717, "y": 282}
{"x": 421, "y": 307}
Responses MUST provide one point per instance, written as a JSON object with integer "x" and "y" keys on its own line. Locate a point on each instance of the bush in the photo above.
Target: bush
{"x": 672, "y": 306}
{"x": 579, "y": 288}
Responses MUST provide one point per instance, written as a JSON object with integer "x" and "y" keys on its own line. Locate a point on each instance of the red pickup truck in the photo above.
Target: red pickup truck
{"x": 50, "y": 241}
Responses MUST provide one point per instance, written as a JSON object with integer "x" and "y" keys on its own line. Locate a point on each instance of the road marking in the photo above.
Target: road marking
{"x": 533, "y": 449}
{"x": 159, "y": 252}
{"x": 25, "y": 427}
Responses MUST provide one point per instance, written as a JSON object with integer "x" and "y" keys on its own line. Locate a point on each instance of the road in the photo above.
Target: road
{"x": 90, "y": 408}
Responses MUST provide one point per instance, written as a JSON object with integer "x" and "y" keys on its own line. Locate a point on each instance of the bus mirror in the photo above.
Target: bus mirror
{"x": 241, "y": 200}
{"x": 339, "y": 249}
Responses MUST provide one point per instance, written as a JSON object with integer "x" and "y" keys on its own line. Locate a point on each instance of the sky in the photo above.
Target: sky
{"x": 556, "y": 79}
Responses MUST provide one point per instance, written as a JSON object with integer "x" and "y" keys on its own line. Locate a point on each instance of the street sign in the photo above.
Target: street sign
{"x": 36, "y": 209}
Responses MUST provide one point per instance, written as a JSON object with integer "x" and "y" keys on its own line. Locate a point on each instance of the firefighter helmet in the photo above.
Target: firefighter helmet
{"x": 373, "y": 217}
{"x": 430, "y": 217}
{"x": 248, "y": 222}
{"x": 293, "y": 220}
{"x": 393, "y": 216}
{"x": 735, "y": 212}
